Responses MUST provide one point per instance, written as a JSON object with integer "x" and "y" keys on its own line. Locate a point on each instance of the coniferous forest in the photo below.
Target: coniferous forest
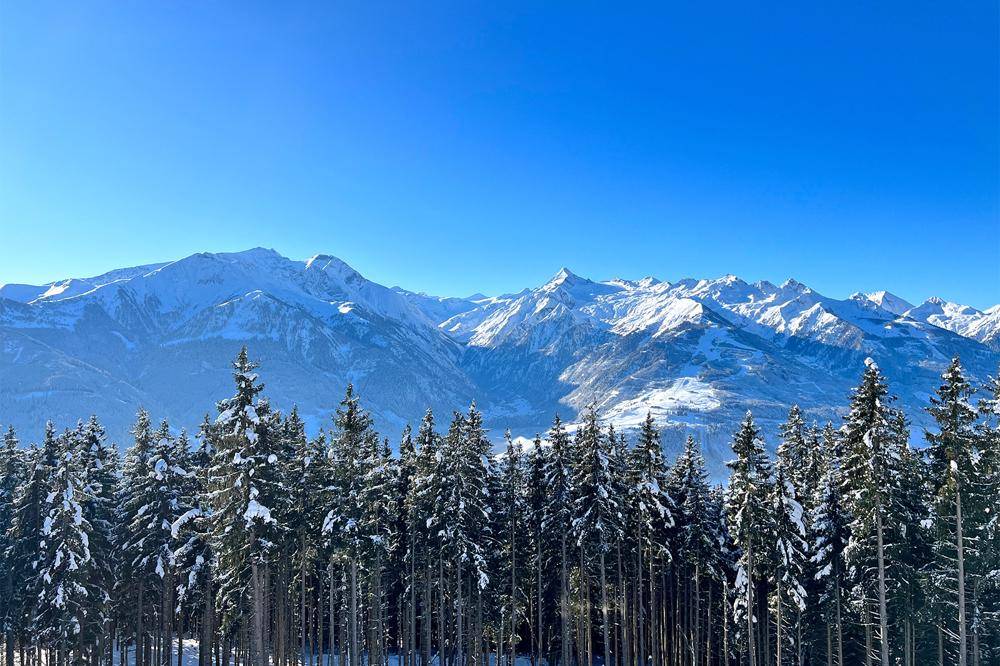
{"x": 250, "y": 542}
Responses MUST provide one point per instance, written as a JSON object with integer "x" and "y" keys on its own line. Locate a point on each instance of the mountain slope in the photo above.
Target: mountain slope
{"x": 697, "y": 353}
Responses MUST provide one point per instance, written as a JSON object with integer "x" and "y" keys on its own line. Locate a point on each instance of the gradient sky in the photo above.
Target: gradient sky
{"x": 455, "y": 148}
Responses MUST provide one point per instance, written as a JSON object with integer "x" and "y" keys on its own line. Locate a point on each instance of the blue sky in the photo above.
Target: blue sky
{"x": 460, "y": 147}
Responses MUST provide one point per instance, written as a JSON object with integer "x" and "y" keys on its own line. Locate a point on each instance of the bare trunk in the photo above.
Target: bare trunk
{"x": 752, "y": 648}
{"x": 604, "y": 613}
{"x": 258, "y": 615}
{"x": 564, "y": 606}
{"x": 778, "y": 624}
{"x": 962, "y": 637}
{"x": 840, "y": 626}
{"x": 355, "y": 656}
{"x": 883, "y": 613}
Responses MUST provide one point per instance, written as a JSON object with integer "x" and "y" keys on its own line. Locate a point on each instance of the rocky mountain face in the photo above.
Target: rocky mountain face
{"x": 697, "y": 353}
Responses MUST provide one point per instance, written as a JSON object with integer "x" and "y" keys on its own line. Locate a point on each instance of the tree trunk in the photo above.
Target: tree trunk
{"x": 257, "y": 638}
{"x": 604, "y": 613}
{"x": 538, "y": 590}
{"x": 641, "y": 612}
{"x": 513, "y": 594}
{"x": 882, "y": 607}
{"x": 459, "y": 629}
{"x": 840, "y": 624}
{"x": 564, "y": 605}
{"x": 411, "y": 638}
{"x": 302, "y": 607}
{"x": 962, "y": 638}
{"x": 426, "y": 616}
{"x": 752, "y": 648}
{"x": 355, "y": 656}
{"x": 778, "y": 605}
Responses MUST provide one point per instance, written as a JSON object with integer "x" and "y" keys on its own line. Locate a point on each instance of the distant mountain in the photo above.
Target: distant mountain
{"x": 697, "y": 353}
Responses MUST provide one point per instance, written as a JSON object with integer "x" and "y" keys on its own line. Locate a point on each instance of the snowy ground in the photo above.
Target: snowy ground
{"x": 190, "y": 658}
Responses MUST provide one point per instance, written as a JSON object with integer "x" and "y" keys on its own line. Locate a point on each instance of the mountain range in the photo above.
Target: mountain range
{"x": 697, "y": 353}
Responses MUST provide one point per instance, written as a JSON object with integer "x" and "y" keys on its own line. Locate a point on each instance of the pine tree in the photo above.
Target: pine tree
{"x": 510, "y": 518}
{"x": 557, "y": 520}
{"x": 951, "y": 454}
{"x": 65, "y": 563}
{"x": 986, "y": 592}
{"x": 800, "y": 460}
{"x": 654, "y": 516}
{"x": 405, "y": 554}
{"x": 100, "y": 464}
{"x": 134, "y": 584}
{"x": 307, "y": 475}
{"x": 344, "y": 523}
{"x": 908, "y": 542}
{"x": 537, "y": 496}
{"x": 11, "y": 466}
{"x": 190, "y": 534}
{"x": 25, "y": 535}
{"x": 790, "y": 564}
{"x": 751, "y": 524}
{"x": 244, "y": 484}
{"x": 465, "y": 500}
{"x": 377, "y": 520}
{"x": 597, "y": 512}
{"x": 793, "y": 450}
{"x": 696, "y": 535}
{"x": 425, "y": 511}
{"x": 868, "y": 477}
{"x": 830, "y": 534}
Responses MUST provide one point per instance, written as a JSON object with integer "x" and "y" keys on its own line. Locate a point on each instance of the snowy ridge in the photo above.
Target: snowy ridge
{"x": 697, "y": 352}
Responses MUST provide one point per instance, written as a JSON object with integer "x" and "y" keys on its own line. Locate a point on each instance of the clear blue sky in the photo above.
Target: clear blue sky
{"x": 456, "y": 148}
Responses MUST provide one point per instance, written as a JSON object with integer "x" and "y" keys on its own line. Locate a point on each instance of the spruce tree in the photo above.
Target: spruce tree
{"x": 511, "y": 535}
{"x": 597, "y": 511}
{"x": 465, "y": 501}
{"x": 830, "y": 533}
{"x": 65, "y": 564}
{"x": 696, "y": 535}
{"x": 23, "y": 556}
{"x": 100, "y": 464}
{"x": 799, "y": 460}
{"x": 557, "y": 520}
{"x": 790, "y": 566}
{"x": 868, "y": 477}
{"x": 344, "y": 523}
{"x": 12, "y": 465}
{"x": 424, "y": 509}
{"x": 655, "y": 515}
{"x": 244, "y": 484}
{"x": 908, "y": 540}
{"x": 751, "y": 526}
{"x": 134, "y": 585}
{"x": 986, "y": 592}
{"x": 951, "y": 452}
{"x": 540, "y": 550}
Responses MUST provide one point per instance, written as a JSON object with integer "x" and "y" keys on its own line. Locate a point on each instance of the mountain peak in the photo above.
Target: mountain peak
{"x": 319, "y": 258}
{"x": 889, "y": 302}
{"x": 564, "y": 277}
{"x": 563, "y": 274}
{"x": 331, "y": 265}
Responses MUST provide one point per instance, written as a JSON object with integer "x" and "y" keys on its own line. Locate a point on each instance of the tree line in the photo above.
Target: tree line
{"x": 264, "y": 545}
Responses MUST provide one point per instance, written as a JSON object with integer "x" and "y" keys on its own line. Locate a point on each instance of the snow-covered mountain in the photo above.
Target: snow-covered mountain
{"x": 698, "y": 353}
